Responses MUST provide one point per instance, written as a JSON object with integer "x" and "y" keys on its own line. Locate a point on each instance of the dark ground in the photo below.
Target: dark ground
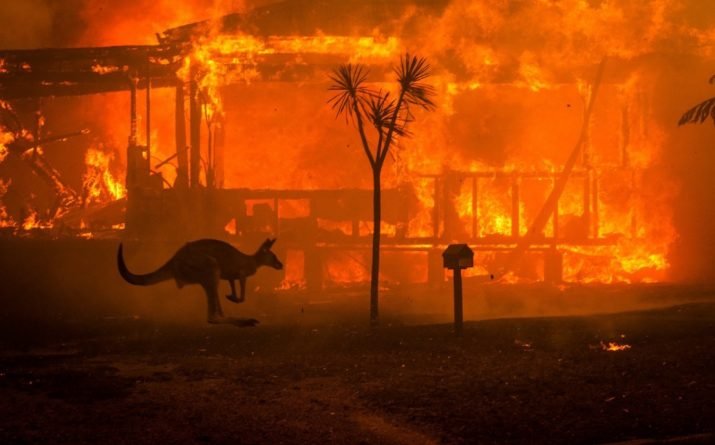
{"x": 528, "y": 380}
{"x": 86, "y": 358}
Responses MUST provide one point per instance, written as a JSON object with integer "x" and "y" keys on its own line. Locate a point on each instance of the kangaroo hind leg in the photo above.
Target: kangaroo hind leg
{"x": 210, "y": 282}
{"x": 209, "y": 277}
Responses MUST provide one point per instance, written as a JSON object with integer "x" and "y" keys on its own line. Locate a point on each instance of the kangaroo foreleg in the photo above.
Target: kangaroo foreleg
{"x": 242, "y": 282}
{"x": 233, "y": 297}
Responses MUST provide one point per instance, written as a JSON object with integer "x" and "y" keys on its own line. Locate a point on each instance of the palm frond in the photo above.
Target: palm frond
{"x": 348, "y": 81}
{"x": 699, "y": 113}
{"x": 380, "y": 109}
{"x": 410, "y": 74}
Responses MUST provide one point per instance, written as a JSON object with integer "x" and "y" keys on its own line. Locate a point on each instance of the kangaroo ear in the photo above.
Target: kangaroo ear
{"x": 267, "y": 243}
{"x": 271, "y": 242}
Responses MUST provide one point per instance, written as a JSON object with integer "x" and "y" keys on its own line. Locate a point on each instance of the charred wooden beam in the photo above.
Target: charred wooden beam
{"x": 537, "y": 227}
{"x": 78, "y": 71}
{"x": 504, "y": 174}
{"x": 194, "y": 133}
{"x": 219, "y": 143}
{"x": 148, "y": 111}
{"x": 182, "y": 171}
{"x": 515, "y": 200}
{"x": 475, "y": 207}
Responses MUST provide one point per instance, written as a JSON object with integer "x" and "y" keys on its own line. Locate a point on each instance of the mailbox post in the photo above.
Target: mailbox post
{"x": 457, "y": 257}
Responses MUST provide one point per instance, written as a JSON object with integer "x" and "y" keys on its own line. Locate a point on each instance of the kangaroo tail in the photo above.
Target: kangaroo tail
{"x": 159, "y": 275}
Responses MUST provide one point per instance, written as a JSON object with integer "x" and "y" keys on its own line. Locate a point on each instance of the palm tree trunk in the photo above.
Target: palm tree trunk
{"x": 375, "y": 273}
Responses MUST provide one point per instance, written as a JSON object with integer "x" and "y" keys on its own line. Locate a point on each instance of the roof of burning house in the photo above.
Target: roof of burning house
{"x": 81, "y": 71}
{"x": 78, "y": 71}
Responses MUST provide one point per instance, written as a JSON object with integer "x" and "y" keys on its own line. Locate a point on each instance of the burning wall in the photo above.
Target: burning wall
{"x": 512, "y": 81}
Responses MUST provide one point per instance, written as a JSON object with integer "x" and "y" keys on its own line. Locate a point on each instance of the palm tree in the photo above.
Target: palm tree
{"x": 389, "y": 117}
{"x": 699, "y": 113}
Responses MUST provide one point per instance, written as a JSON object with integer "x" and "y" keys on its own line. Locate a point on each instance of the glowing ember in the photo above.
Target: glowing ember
{"x": 103, "y": 69}
{"x": 613, "y": 346}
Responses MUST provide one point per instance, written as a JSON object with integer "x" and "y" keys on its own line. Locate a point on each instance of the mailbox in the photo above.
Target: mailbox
{"x": 458, "y": 256}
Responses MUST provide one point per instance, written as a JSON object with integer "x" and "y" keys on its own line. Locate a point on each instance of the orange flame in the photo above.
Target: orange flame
{"x": 98, "y": 183}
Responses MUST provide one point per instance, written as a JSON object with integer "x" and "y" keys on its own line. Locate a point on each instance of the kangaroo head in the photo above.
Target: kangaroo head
{"x": 264, "y": 256}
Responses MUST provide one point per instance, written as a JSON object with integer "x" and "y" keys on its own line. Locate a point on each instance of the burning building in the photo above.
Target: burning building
{"x": 548, "y": 138}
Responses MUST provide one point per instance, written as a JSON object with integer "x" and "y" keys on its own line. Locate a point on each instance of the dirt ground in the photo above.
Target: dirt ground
{"x": 135, "y": 380}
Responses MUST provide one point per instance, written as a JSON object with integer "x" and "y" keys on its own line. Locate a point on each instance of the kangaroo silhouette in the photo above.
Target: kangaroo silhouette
{"x": 206, "y": 262}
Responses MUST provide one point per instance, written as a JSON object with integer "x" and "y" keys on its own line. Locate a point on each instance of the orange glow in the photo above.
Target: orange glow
{"x": 347, "y": 267}
{"x": 294, "y": 271}
{"x": 506, "y": 107}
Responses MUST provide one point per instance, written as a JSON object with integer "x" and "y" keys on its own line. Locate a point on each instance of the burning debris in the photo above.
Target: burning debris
{"x": 99, "y": 184}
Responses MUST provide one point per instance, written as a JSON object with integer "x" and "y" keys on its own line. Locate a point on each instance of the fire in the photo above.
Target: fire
{"x": 294, "y": 278}
{"x": 33, "y": 221}
{"x": 5, "y": 138}
{"x": 223, "y": 59}
{"x": 98, "y": 183}
{"x": 346, "y": 268}
{"x": 218, "y": 61}
{"x": 360, "y": 49}
{"x": 533, "y": 75}
{"x": 507, "y": 107}
{"x": 5, "y": 219}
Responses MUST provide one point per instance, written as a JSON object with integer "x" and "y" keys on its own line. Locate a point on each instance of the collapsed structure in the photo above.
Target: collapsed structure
{"x": 575, "y": 234}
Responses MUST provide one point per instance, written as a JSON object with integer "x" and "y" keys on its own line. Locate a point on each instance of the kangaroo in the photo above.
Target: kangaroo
{"x": 206, "y": 262}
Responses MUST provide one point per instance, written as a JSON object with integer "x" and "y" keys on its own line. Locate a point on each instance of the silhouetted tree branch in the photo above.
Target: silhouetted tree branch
{"x": 389, "y": 117}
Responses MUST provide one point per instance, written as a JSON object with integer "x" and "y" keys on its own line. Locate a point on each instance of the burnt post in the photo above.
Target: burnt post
{"x": 182, "y": 172}
{"x": 194, "y": 132}
{"x": 458, "y": 257}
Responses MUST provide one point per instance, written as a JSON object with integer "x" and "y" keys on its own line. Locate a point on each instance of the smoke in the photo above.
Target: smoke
{"x": 59, "y": 23}
{"x": 25, "y": 24}
{"x": 137, "y": 22}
